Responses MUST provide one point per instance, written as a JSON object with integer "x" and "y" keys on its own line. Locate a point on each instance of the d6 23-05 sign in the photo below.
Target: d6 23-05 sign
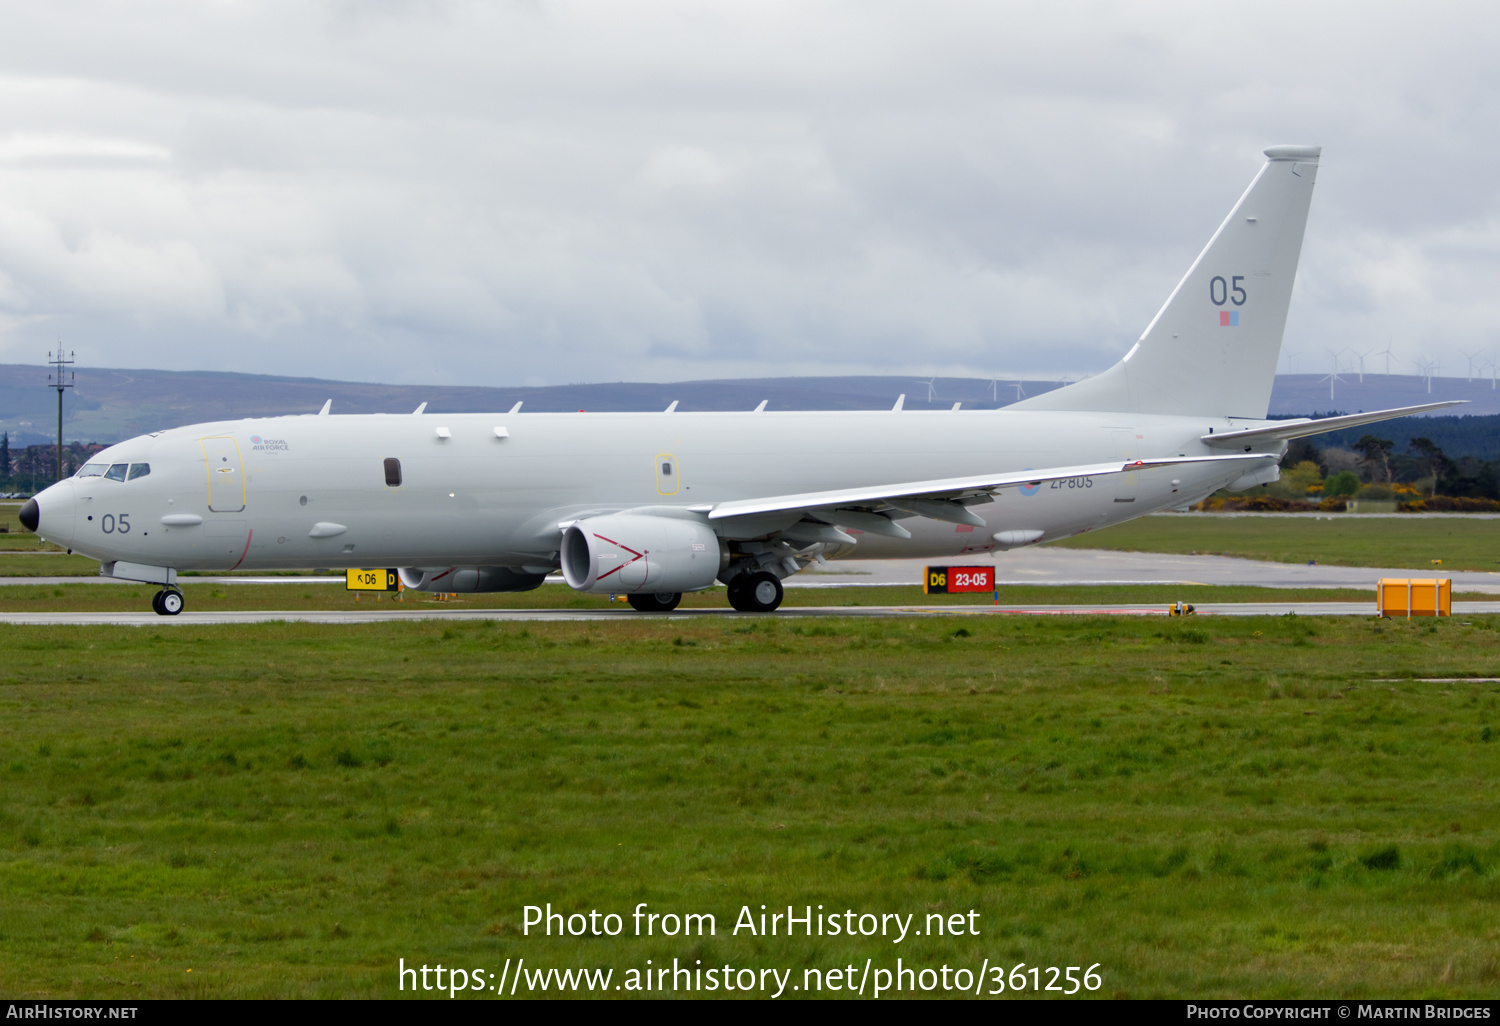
{"x": 945, "y": 580}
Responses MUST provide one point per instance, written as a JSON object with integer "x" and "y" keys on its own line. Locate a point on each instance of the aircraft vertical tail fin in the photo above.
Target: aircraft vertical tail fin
{"x": 1212, "y": 349}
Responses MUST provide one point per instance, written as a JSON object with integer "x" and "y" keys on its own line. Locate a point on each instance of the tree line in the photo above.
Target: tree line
{"x": 1416, "y": 476}
{"x": 31, "y": 468}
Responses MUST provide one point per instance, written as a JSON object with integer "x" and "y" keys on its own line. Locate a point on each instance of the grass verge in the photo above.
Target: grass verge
{"x": 1210, "y": 808}
{"x": 1338, "y": 539}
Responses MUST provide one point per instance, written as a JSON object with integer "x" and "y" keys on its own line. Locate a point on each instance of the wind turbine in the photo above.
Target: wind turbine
{"x": 1333, "y": 377}
{"x": 995, "y": 389}
{"x": 1291, "y": 362}
{"x": 1386, "y": 352}
{"x": 929, "y": 383}
{"x": 1361, "y": 358}
{"x": 1020, "y": 392}
{"x": 1427, "y": 366}
{"x": 1470, "y": 357}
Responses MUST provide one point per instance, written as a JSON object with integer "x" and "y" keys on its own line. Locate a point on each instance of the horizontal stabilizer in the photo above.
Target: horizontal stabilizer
{"x": 1303, "y": 427}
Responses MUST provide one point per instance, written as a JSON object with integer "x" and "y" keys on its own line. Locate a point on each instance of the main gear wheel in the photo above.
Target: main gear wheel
{"x": 758, "y": 592}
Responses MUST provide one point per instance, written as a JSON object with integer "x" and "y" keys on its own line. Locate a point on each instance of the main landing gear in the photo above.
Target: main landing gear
{"x": 759, "y": 592}
{"x": 167, "y": 602}
{"x": 656, "y": 602}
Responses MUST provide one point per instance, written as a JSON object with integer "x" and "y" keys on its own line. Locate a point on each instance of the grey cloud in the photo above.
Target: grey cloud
{"x": 502, "y": 193}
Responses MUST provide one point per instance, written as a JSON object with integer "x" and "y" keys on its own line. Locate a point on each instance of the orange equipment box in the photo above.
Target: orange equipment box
{"x": 1399, "y": 596}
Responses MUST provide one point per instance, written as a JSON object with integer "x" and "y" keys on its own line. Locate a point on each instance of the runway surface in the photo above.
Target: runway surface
{"x": 1097, "y": 567}
{"x": 1032, "y": 566}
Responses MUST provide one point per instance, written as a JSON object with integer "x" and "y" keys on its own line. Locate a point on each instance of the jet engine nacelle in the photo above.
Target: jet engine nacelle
{"x": 467, "y": 579}
{"x": 634, "y": 552}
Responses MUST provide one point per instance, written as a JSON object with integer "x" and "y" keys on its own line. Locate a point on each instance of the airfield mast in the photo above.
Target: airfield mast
{"x": 60, "y": 379}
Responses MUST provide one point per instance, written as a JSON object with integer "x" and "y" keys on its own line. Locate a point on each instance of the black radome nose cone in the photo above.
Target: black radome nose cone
{"x": 30, "y": 515}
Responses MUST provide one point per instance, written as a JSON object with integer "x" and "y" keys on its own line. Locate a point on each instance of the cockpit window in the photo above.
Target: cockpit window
{"x": 116, "y": 472}
{"x": 93, "y": 469}
{"x": 139, "y": 470}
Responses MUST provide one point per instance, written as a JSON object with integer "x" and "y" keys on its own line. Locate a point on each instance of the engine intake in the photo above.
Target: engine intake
{"x": 466, "y": 579}
{"x": 629, "y": 553}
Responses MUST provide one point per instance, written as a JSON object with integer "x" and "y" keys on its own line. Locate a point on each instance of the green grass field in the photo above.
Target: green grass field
{"x": 1210, "y": 808}
{"x": 1462, "y": 543}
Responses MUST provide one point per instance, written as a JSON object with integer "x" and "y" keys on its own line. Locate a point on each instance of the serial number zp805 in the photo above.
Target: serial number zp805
{"x": 1074, "y": 482}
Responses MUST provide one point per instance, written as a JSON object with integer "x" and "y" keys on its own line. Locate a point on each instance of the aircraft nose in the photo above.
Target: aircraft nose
{"x": 30, "y": 515}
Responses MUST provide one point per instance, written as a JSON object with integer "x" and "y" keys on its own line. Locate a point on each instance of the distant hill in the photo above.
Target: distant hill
{"x": 110, "y": 404}
{"x": 1299, "y": 394}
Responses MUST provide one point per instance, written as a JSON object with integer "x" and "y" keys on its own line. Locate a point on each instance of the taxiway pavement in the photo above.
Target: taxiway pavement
{"x": 1042, "y": 566}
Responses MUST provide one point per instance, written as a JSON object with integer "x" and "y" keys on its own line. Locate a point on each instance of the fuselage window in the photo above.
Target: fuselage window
{"x": 116, "y": 472}
{"x": 666, "y": 470}
{"x": 93, "y": 469}
{"x": 393, "y": 473}
{"x": 138, "y": 470}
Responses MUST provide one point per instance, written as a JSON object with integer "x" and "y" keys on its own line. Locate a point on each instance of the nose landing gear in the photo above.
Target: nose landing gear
{"x": 167, "y": 602}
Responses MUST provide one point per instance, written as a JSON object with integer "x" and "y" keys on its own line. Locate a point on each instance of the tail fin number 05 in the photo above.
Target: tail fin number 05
{"x": 1222, "y": 292}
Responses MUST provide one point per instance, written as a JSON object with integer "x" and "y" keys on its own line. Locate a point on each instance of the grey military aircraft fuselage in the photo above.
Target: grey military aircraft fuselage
{"x": 470, "y": 490}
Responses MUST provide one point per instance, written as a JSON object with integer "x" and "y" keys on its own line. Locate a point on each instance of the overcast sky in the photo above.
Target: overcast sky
{"x": 549, "y": 192}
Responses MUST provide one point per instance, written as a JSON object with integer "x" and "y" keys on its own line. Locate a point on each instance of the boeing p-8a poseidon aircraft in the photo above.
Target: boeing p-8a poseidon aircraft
{"x": 656, "y": 504}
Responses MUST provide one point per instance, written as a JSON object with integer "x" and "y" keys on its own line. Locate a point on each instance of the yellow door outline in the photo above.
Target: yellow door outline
{"x": 226, "y": 473}
{"x": 668, "y": 474}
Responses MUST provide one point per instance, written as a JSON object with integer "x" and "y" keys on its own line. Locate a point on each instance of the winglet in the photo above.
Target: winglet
{"x": 326, "y": 407}
{"x": 672, "y": 408}
{"x": 517, "y": 408}
{"x": 418, "y": 411}
{"x": 900, "y": 402}
{"x": 762, "y": 407}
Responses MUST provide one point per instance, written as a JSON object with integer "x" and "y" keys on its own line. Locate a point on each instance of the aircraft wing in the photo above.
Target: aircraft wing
{"x": 1302, "y": 427}
{"x": 946, "y": 498}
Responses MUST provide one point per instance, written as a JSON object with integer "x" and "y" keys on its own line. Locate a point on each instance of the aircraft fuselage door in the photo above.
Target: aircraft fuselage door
{"x": 1125, "y": 449}
{"x": 226, "y": 474}
{"x": 666, "y": 474}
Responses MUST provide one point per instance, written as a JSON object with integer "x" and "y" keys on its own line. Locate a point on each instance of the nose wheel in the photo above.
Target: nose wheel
{"x": 167, "y": 602}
